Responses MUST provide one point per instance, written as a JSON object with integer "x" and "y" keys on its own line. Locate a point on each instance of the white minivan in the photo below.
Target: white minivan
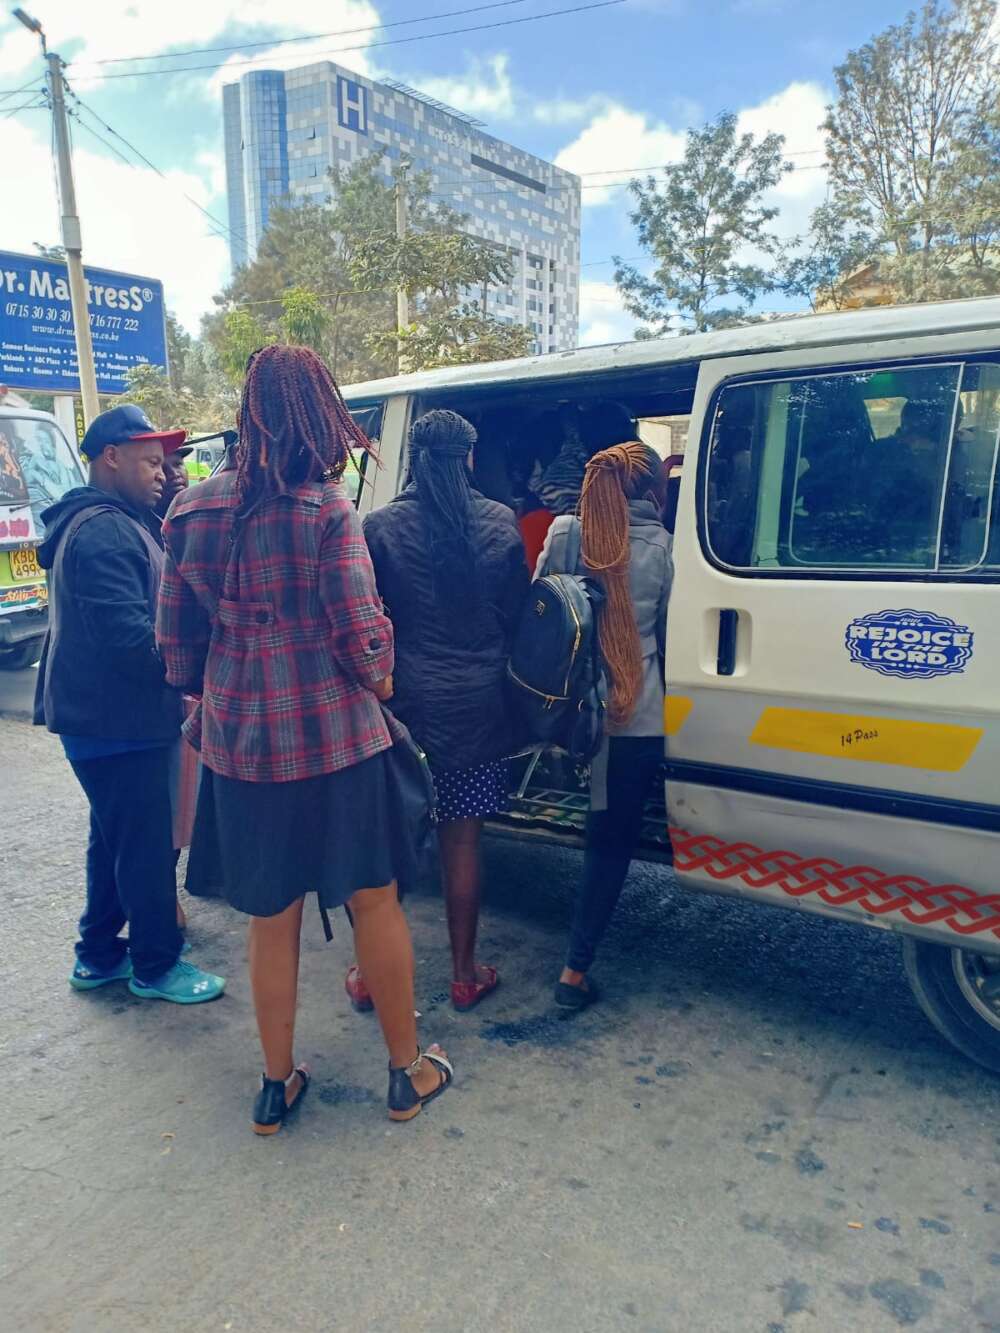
{"x": 37, "y": 466}
{"x": 832, "y": 726}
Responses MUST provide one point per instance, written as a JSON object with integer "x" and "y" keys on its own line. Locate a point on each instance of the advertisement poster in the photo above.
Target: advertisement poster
{"x": 37, "y": 345}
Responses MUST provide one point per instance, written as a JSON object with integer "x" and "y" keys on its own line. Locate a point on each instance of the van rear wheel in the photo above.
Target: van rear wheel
{"x": 959, "y": 991}
{"x": 22, "y": 655}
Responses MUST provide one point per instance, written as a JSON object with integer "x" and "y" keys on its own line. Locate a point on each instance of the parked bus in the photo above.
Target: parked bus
{"x": 37, "y": 466}
{"x": 832, "y": 723}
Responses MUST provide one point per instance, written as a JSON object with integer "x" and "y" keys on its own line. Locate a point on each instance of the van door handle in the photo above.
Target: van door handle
{"x": 728, "y": 625}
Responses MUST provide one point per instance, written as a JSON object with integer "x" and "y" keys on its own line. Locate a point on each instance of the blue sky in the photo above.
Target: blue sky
{"x": 600, "y": 91}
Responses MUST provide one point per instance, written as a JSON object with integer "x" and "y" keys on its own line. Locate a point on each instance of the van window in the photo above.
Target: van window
{"x": 888, "y": 468}
{"x": 47, "y": 464}
{"x": 370, "y": 420}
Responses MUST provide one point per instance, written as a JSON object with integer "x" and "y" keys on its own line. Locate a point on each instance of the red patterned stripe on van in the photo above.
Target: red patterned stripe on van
{"x": 917, "y": 900}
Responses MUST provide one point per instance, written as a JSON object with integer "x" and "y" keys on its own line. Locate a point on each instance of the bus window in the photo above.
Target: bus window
{"x": 370, "y": 420}
{"x": 874, "y": 469}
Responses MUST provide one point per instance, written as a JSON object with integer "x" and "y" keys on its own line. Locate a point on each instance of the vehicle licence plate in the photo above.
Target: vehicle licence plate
{"x": 24, "y": 564}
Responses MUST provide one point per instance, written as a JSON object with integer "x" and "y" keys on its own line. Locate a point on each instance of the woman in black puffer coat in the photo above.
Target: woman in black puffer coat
{"x": 451, "y": 571}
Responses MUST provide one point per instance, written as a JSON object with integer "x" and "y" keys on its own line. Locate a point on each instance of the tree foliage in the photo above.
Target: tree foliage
{"x": 840, "y": 241}
{"x": 914, "y": 144}
{"x": 326, "y": 274}
{"x": 452, "y": 338}
{"x": 707, "y": 228}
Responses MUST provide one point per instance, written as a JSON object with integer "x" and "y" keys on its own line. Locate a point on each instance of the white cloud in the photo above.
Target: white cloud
{"x": 797, "y": 112}
{"x": 154, "y": 231}
{"x": 485, "y": 89}
{"x": 602, "y": 317}
{"x": 213, "y": 166}
{"x": 618, "y": 140}
{"x": 349, "y": 52}
{"x": 110, "y": 29}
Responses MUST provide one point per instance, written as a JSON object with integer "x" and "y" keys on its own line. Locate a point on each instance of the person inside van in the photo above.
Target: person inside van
{"x": 622, "y": 543}
{"x": 596, "y": 426}
{"x": 449, "y": 565}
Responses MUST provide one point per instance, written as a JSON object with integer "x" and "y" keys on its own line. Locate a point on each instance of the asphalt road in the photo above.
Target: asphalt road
{"x": 17, "y": 693}
{"x": 757, "y": 1130}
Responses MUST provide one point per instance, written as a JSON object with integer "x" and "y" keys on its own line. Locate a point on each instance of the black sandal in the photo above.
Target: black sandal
{"x": 404, "y": 1100}
{"x": 576, "y": 997}
{"x": 270, "y": 1109}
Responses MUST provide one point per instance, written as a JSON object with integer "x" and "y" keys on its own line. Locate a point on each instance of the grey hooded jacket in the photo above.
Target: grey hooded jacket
{"x": 651, "y": 572}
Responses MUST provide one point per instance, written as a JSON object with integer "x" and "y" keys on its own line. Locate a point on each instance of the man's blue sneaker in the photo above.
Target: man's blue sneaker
{"x": 89, "y": 978}
{"x": 181, "y": 984}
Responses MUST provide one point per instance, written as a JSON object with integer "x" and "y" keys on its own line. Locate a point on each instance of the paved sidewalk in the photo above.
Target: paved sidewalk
{"x": 757, "y": 1131}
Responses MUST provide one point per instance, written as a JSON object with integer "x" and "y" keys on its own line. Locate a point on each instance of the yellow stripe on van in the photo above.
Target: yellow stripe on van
{"x": 675, "y": 713}
{"x": 882, "y": 740}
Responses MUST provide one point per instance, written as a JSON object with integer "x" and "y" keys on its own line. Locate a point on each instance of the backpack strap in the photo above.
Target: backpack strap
{"x": 573, "y": 539}
{"x": 564, "y": 551}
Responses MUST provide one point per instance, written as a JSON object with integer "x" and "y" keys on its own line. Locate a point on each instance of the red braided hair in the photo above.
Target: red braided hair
{"x": 294, "y": 424}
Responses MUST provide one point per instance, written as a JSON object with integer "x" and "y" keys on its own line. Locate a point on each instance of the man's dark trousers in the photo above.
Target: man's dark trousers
{"x": 130, "y": 863}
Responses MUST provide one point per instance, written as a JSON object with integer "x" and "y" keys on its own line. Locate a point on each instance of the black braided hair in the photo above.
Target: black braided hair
{"x": 440, "y": 443}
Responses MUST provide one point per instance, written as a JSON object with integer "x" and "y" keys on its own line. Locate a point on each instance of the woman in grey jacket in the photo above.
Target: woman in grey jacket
{"x": 624, "y": 544}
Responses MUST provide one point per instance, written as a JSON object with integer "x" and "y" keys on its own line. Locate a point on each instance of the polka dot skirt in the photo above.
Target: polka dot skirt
{"x": 471, "y": 793}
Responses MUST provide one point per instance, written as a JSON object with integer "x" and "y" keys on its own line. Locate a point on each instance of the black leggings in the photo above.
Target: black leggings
{"x": 633, "y": 763}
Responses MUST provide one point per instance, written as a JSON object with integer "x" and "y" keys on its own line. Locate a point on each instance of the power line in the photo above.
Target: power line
{"x": 304, "y": 37}
{"x": 367, "y": 46}
{"x": 12, "y": 92}
{"x": 217, "y": 222}
{"x": 25, "y": 106}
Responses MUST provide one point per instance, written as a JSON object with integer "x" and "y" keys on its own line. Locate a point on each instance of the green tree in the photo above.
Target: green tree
{"x": 153, "y": 390}
{"x": 345, "y": 259}
{"x": 455, "y": 338}
{"x": 707, "y": 228}
{"x": 840, "y": 241}
{"x": 179, "y": 345}
{"x": 914, "y": 142}
{"x": 241, "y": 334}
{"x": 305, "y": 319}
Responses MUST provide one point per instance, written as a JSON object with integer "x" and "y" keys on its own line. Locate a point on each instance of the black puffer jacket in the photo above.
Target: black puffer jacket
{"x": 100, "y": 674}
{"x": 450, "y": 674}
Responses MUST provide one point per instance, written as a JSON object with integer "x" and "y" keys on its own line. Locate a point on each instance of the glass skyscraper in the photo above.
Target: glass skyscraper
{"x": 283, "y": 130}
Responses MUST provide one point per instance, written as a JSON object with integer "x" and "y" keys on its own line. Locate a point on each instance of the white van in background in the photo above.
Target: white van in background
{"x": 37, "y": 466}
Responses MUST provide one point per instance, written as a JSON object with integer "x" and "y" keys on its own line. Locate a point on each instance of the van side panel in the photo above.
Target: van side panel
{"x": 802, "y": 770}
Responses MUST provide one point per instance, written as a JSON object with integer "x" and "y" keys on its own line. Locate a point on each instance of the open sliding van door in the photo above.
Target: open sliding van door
{"x": 833, "y": 714}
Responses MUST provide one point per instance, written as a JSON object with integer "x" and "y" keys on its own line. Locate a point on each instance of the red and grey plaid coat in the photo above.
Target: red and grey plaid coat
{"x": 283, "y": 639}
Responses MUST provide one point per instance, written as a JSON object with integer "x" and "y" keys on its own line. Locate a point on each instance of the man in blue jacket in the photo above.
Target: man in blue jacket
{"x": 102, "y": 689}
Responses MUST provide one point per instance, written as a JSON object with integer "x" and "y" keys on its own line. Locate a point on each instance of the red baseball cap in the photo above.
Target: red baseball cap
{"x": 127, "y": 424}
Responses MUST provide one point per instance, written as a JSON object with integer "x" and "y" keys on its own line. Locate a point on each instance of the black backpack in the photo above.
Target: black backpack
{"x": 557, "y": 676}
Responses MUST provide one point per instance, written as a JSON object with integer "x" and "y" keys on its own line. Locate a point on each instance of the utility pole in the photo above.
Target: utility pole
{"x": 402, "y": 301}
{"x": 71, "y": 236}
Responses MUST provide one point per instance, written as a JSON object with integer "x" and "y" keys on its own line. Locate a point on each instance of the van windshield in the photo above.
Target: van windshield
{"x": 36, "y": 464}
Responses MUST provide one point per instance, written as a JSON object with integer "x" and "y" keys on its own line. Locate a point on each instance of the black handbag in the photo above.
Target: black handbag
{"x": 412, "y": 802}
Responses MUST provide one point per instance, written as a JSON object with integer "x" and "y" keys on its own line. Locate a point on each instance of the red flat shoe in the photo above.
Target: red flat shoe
{"x": 357, "y": 992}
{"x": 465, "y": 995}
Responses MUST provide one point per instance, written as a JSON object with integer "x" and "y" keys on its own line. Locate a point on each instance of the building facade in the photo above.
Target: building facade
{"x": 284, "y": 130}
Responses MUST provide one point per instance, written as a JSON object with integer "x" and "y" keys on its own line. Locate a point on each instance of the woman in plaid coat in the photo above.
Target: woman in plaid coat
{"x": 269, "y": 613}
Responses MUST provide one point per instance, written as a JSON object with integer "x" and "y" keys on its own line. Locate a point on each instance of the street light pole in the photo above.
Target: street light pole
{"x": 71, "y": 236}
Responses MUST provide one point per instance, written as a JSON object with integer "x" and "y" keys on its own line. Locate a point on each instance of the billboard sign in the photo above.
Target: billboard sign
{"x": 37, "y": 346}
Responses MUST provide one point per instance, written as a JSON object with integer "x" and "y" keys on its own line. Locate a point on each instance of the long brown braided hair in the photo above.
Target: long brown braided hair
{"x": 294, "y": 425}
{"x": 613, "y": 477}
